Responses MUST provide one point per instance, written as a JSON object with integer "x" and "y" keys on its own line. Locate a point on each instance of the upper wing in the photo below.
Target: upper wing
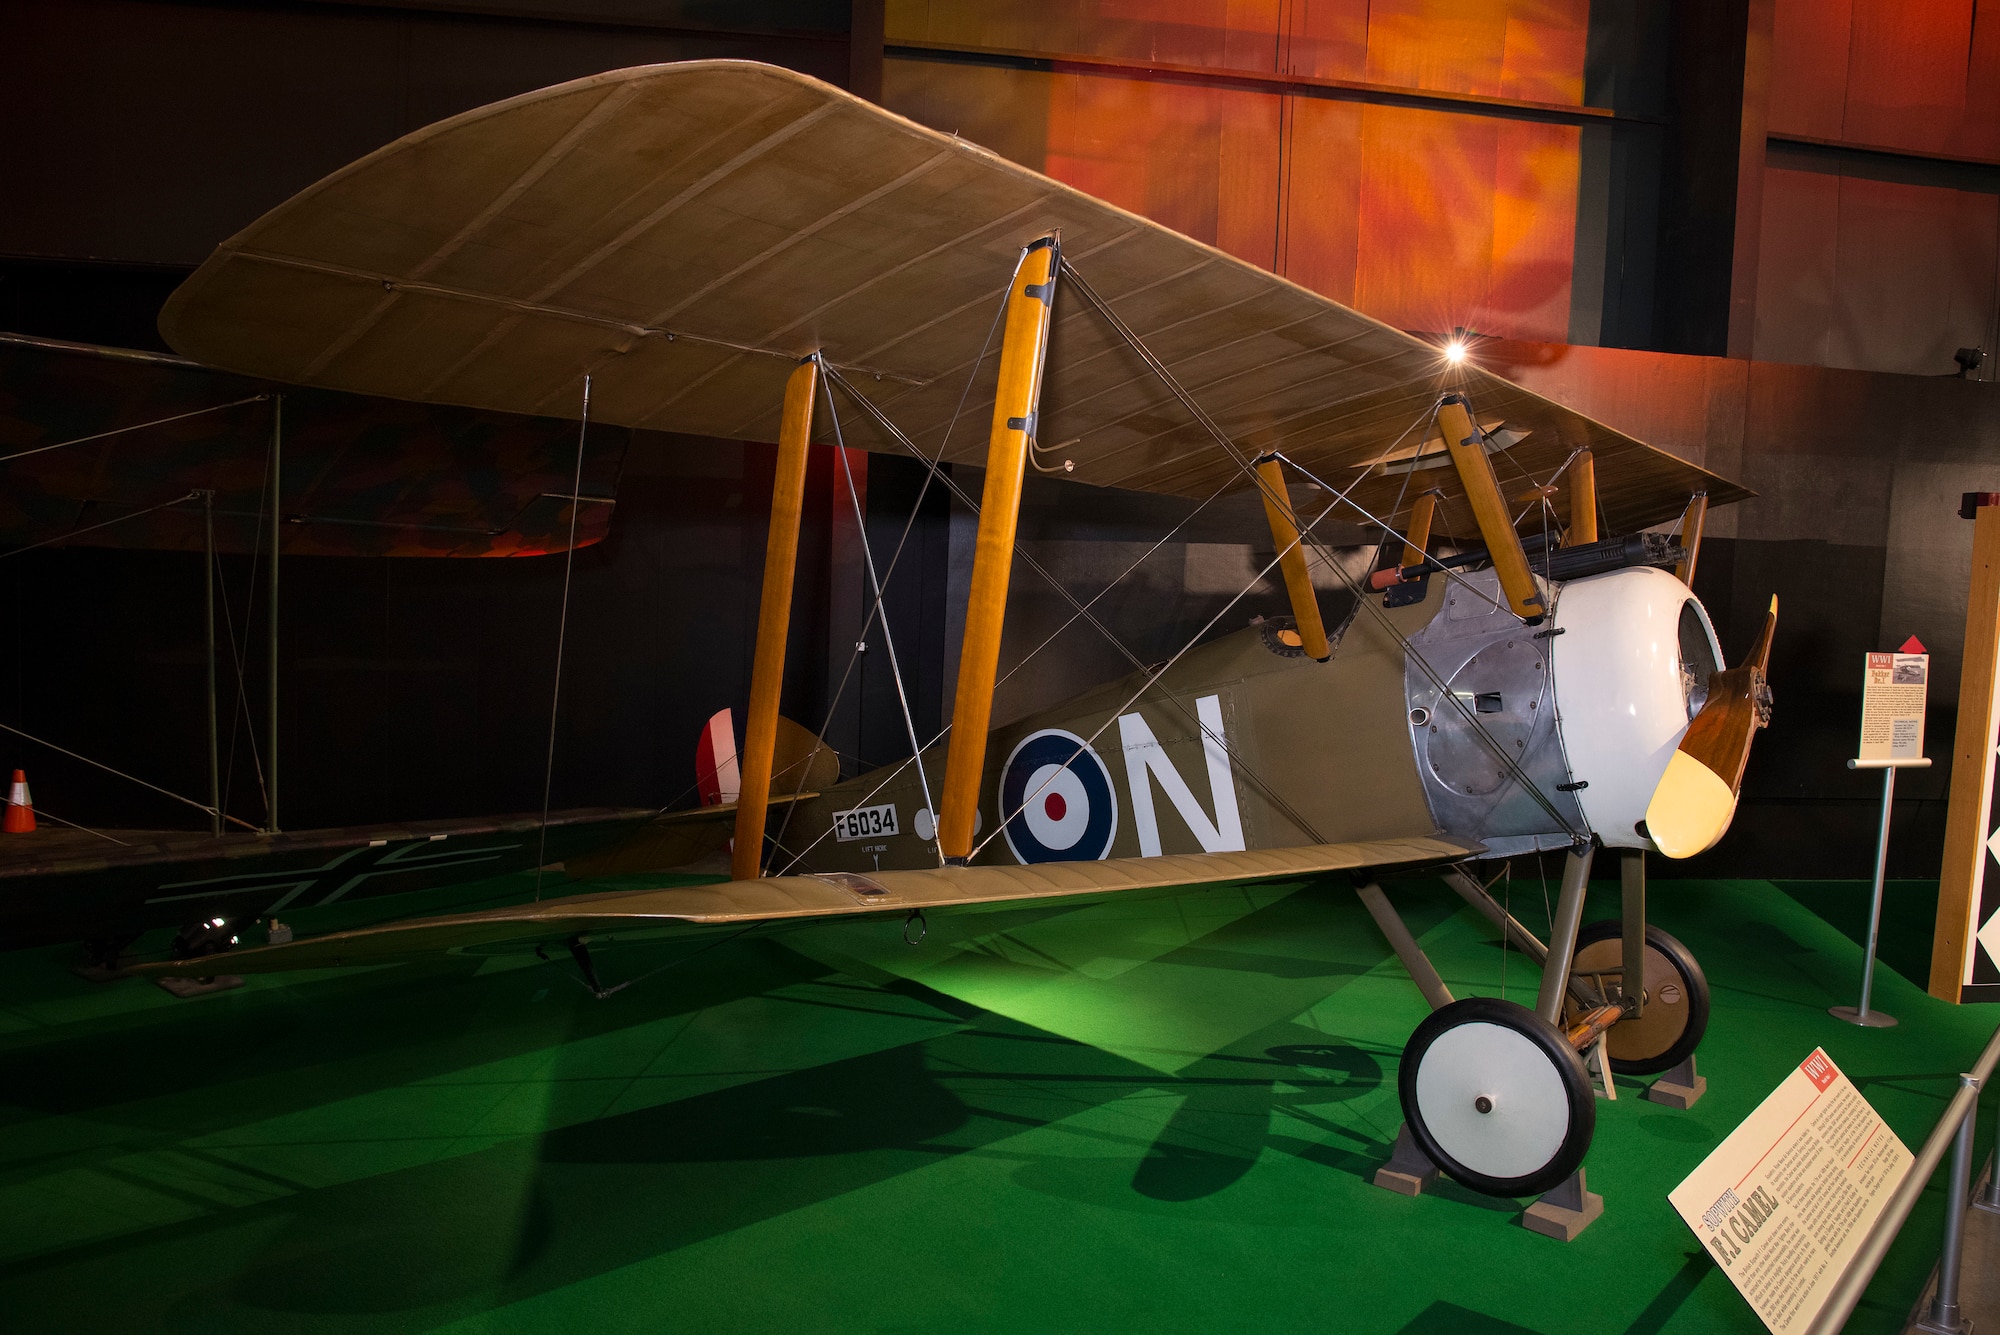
{"x": 685, "y": 233}
{"x": 781, "y": 898}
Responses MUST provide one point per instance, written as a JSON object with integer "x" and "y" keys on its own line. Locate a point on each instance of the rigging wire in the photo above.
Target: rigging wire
{"x": 79, "y": 532}
{"x": 931, "y": 472}
{"x": 562, "y": 634}
{"x": 868, "y": 557}
{"x": 98, "y": 764}
{"x": 1152, "y": 678}
{"x": 1307, "y": 534}
{"x": 137, "y": 426}
{"x": 944, "y": 732}
{"x": 1082, "y": 610}
{"x": 239, "y": 715}
{"x": 42, "y": 811}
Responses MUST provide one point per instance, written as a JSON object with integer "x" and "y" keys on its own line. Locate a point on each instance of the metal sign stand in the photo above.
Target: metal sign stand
{"x": 1862, "y": 1015}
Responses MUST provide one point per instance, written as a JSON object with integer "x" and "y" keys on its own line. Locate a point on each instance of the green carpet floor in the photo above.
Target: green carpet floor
{"x": 1143, "y": 1115}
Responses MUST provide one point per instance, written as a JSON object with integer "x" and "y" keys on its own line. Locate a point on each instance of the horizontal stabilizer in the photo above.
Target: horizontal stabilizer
{"x": 804, "y": 898}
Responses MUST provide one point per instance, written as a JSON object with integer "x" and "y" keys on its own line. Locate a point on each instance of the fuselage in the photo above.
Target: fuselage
{"x": 1447, "y": 714}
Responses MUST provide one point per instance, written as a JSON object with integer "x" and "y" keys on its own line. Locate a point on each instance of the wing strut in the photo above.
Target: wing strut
{"x": 1691, "y": 526}
{"x": 1582, "y": 499}
{"x": 774, "y": 615}
{"x": 1292, "y": 558}
{"x": 1023, "y": 349}
{"x": 1467, "y": 444}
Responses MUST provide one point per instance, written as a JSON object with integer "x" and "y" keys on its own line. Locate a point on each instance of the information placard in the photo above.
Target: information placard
{"x": 1783, "y": 1204}
{"x": 1892, "y": 706}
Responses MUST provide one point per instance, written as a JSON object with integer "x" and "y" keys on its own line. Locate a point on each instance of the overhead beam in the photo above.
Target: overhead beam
{"x": 1489, "y": 509}
{"x": 1292, "y": 558}
{"x": 1023, "y": 350}
{"x": 774, "y": 616}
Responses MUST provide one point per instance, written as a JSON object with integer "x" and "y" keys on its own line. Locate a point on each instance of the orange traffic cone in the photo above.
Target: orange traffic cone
{"x": 20, "y": 816}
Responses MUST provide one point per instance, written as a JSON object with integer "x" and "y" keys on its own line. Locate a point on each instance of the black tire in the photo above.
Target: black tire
{"x": 1675, "y": 1015}
{"x": 1530, "y": 1072}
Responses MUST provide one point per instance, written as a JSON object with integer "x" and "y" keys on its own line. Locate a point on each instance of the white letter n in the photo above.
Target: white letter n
{"x": 1144, "y": 755}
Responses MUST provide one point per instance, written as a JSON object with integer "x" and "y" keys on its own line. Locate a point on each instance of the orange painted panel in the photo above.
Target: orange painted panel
{"x": 1809, "y": 40}
{"x": 1203, "y": 161}
{"x": 1466, "y": 221}
{"x": 1423, "y": 219}
{"x": 1906, "y": 74}
{"x": 1322, "y": 197}
{"x": 1528, "y": 49}
{"x": 1328, "y": 39}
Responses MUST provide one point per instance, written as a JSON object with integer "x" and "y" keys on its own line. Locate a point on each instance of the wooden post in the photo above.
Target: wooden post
{"x": 1583, "y": 499}
{"x": 1691, "y": 525}
{"x": 774, "y": 616}
{"x": 1292, "y": 558}
{"x": 1023, "y": 348}
{"x": 1963, "y": 874}
{"x": 1489, "y": 510}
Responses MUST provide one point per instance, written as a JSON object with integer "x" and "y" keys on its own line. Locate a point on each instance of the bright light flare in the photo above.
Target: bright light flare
{"x": 1454, "y": 352}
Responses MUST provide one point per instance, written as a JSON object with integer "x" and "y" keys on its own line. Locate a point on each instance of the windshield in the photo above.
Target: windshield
{"x": 1697, "y": 655}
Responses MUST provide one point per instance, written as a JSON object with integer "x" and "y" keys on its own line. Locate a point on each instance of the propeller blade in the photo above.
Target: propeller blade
{"x": 1696, "y": 797}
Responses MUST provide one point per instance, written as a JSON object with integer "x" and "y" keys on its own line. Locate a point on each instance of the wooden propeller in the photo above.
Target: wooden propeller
{"x": 1696, "y": 797}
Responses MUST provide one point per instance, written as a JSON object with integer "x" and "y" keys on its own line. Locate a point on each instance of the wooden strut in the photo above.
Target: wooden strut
{"x": 1582, "y": 499}
{"x": 1691, "y": 525}
{"x": 1292, "y": 558}
{"x": 774, "y": 615}
{"x": 1489, "y": 510}
{"x": 1423, "y": 511}
{"x": 1963, "y": 873}
{"x": 1417, "y": 537}
{"x": 1023, "y": 351}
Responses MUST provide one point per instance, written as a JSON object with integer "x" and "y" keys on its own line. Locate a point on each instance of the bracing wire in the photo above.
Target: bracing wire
{"x": 1082, "y": 610}
{"x": 133, "y": 778}
{"x": 868, "y": 557}
{"x": 562, "y": 634}
{"x": 79, "y": 532}
{"x": 931, "y": 472}
{"x": 136, "y": 426}
{"x": 1243, "y": 465}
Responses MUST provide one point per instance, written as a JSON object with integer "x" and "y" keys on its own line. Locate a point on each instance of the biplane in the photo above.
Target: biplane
{"x": 732, "y": 250}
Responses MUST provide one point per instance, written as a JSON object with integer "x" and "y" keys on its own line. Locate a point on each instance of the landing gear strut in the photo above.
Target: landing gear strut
{"x": 1497, "y": 1095}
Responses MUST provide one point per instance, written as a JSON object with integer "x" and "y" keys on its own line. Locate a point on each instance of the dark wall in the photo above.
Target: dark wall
{"x": 409, "y": 688}
{"x": 139, "y": 130}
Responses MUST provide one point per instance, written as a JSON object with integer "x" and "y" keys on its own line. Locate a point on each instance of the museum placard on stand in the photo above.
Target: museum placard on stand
{"x": 1784, "y": 1203}
{"x": 1892, "y": 706}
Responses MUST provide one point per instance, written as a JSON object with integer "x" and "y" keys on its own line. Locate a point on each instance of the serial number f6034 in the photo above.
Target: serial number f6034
{"x": 864, "y": 822}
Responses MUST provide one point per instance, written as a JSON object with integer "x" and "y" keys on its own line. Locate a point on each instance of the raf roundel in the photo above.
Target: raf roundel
{"x": 1059, "y": 794}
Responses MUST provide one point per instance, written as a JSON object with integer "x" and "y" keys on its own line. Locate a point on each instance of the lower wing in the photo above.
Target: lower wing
{"x": 803, "y": 898}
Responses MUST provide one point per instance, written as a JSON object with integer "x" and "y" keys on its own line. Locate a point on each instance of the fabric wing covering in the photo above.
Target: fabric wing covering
{"x": 686, "y": 233}
{"x": 810, "y": 898}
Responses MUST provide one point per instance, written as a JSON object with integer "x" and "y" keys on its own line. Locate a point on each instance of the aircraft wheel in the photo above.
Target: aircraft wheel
{"x": 210, "y": 936}
{"x": 1675, "y": 1016}
{"x": 1497, "y": 1097}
